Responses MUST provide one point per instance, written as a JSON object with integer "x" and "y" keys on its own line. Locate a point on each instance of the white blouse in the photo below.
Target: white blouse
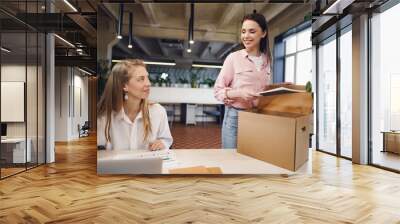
{"x": 258, "y": 61}
{"x": 127, "y": 135}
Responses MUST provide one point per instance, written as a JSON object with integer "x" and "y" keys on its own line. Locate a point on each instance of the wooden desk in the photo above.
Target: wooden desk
{"x": 229, "y": 161}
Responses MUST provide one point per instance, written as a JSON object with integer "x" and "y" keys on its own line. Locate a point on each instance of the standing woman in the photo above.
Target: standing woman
{"x": 244, "y": 73}
{"x": 126, "y": 119}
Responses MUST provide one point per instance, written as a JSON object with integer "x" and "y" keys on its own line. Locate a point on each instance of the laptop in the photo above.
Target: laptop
{"x": 110, "y": 165}
{"x": 3, "y": 131}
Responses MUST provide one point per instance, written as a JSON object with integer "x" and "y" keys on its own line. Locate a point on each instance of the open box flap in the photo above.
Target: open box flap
{"x": 292, "y": 103}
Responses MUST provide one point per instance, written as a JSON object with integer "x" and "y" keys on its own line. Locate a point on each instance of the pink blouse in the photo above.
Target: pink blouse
{"x": 239, "y": 72}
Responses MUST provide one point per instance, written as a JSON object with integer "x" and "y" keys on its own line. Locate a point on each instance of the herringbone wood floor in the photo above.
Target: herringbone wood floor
{"x": 69, "y": 191}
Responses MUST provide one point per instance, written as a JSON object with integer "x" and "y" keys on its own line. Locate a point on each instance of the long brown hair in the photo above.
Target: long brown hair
{"x": 262, "y": 22}
{"x": 113, "y": 95}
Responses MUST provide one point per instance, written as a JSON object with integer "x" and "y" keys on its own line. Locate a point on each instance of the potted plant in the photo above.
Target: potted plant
{"x": 193, "y": 79}
{"x": 103, "y": 68}
{"x": 209, "y": 82}
{"x": 153, "y": 81}
{"x": 203, "y": 84}
{"x": 308, "y": 87}
{"x": 164, "y": 80}
{"x": 184, "y": 82}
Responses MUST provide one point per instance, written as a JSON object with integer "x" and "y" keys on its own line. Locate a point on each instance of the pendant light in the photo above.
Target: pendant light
{"x": 120, "y": 21}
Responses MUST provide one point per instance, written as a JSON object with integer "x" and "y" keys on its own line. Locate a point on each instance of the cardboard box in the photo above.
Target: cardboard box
{"x": 392, "y": 142}
{"x": 277, "y": 131}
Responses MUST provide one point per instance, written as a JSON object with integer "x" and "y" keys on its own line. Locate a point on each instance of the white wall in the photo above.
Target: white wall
{"x": 61, "y": 103}
{"x": 33, "y": 127}
{"x": 12, "y": 73}
{"x": 69, "y": 85}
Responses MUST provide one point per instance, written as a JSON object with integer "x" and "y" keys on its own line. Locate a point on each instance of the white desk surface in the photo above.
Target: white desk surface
{"x": 13, "y": 140}
{"x": 228, "y": 160}
{"x": 183, "y": 95}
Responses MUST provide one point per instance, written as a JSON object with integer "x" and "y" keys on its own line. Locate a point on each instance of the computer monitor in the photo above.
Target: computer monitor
{"x": 3, "y": 129}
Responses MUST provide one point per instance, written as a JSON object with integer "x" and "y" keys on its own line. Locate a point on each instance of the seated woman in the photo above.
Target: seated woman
{"x": 126, "y": 119}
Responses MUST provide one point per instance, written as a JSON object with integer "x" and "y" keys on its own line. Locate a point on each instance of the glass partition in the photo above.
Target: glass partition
{"x": 327, "y": 96}
{"x": 22, "y": 89}
{"x": 346, "y": 93}
{"x": 385, "y": 89}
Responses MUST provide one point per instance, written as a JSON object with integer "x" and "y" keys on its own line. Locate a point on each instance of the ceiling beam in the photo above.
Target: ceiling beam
{"x": 230, "y": 12}
{"x": 181, "y": 34}
{"x": 205, "y": 50}
{"x": 150, "y": 14}
{"x": 225, "y": 50}
{"x": 142, "y": 45}
{"x": 84, "y": 24}
{"x": 123, "y": 47}
{"x": 163, "y": 50}
{"x": 211, "y": 33}
{"x": 187, "y": 12}
{"x": 272, "y": 10}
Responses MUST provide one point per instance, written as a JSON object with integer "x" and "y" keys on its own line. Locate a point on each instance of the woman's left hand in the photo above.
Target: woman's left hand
{"x": 157, "y": 145}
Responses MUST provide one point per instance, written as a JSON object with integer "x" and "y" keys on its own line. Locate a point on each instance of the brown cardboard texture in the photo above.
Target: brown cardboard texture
{"x": 277, "y": 131}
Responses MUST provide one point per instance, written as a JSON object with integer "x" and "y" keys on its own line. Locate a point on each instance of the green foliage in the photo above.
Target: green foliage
{"x": 208, "y": 81}
{"x": 103, "y": 68}
{"x": 193, "y": 79}
{"x": 309, "y": 87}
{"x": 183, "y": 80}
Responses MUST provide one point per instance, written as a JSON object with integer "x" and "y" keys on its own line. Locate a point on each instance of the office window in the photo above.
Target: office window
{"x": 385, "y": 88}
{"x": 298, "y": 60}
{"x": 327, "y": 97}
{"x": 346, "y": 94}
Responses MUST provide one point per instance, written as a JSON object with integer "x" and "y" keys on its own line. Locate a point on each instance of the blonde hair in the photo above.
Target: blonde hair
{"x": 113, "y": 95}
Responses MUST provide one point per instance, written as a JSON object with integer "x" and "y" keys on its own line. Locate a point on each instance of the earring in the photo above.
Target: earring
{"x": 125, "y": 96}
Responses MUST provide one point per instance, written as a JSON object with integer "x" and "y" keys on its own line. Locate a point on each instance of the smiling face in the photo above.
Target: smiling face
{"x": 251, "y": 35}
{"x": 138, "y": 85}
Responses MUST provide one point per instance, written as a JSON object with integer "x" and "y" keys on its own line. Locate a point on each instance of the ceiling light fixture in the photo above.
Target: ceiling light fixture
{"x": 337, "y": 7}
{"x": 5, "y": 50}
{"x": 151, "y": 62}
{"x": 130, "y": 29}
{"x": 64, "y": 40}
{"x": 70, "y": 5}
{"x": 190, "y": 28}
{"x": 120, "y": 21}
{"x": 84, "y": 71}
{"x": 191, "y": 24}
{"x": 160, "y": 63}
{"x": 206, "y": 66}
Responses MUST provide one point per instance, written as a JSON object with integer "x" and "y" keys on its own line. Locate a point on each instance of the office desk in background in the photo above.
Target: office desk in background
{"x": 229, "y": 161}
{"x": 188, "y": 98}
{"x": 13, "y": 150}
{"x": 183, "y": 95}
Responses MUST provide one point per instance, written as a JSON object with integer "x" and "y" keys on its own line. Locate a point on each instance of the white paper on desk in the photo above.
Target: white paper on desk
{"x": 164, "y": 154}
{"x": 171, "y": 163}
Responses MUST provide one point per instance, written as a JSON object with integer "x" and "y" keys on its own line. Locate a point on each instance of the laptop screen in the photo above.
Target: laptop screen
{"x": 3, "y": 129}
